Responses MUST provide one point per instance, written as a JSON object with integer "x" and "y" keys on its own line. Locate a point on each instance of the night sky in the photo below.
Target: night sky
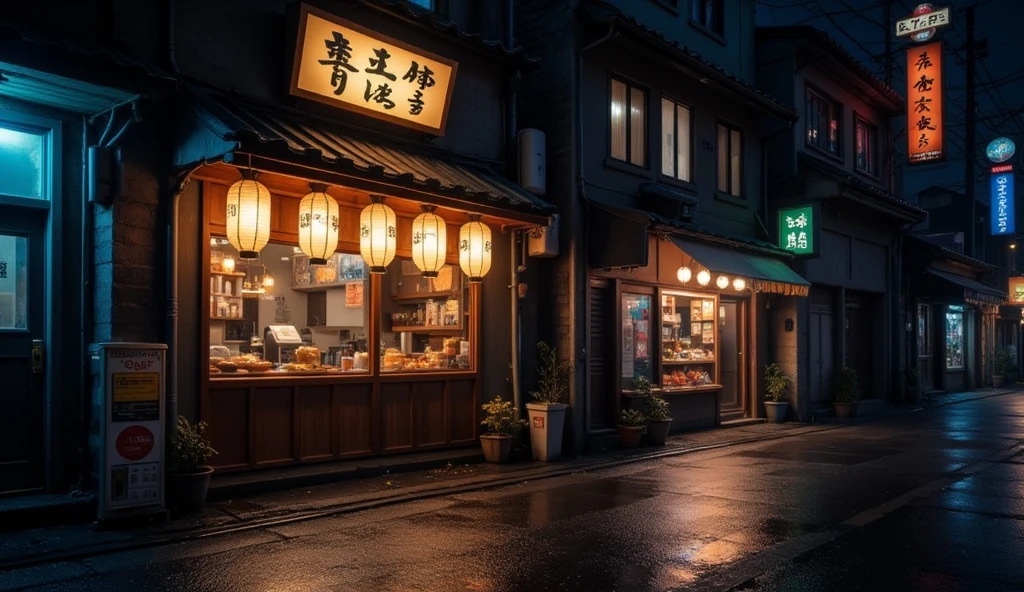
{"x": 858, "y": 26}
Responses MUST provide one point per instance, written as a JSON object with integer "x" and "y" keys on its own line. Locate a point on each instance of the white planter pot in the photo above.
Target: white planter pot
{"x": 546, "y": 425}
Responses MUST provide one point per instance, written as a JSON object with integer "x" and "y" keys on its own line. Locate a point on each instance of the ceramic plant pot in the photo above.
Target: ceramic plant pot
{"x": 629, "y": 437}
{"x": 496, "y": 448}
{"x": 776, "y": 410}
{"x": 186, "y": 492}
{"x": 657, "y": 431}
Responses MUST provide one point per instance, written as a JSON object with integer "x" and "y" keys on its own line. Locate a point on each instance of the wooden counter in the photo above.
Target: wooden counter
{"x": 270, "y": 421}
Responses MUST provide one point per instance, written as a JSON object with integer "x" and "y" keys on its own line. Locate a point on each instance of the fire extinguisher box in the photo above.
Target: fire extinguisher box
{"x": 126, "y": 438}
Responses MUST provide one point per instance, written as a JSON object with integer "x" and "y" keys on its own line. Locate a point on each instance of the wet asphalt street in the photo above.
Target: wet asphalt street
{"x": 930, "y": 500}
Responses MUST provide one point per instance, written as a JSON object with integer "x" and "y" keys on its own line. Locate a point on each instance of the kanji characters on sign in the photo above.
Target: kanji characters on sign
{"x": 924, "y": 103}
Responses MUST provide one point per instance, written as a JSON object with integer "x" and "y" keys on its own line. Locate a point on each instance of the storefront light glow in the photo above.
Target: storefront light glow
{"x": 248, "y": 216}
{"x": 319, "y": 221}
{"x": 739, "y": 284}
{"x": 268, "y": 281}
{"x": 378, "y": 234}
{"x": 228, "y": 265}
{"x": 429, "y": 242}
{"x": 475, "y": 249}
{"x": 722, "y": 282}
{"x": 684, "y": 275}
{"x": 703, "y": 277}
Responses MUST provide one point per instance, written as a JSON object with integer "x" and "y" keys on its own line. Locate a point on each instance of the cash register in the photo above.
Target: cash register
{"x": 280, "y": 343}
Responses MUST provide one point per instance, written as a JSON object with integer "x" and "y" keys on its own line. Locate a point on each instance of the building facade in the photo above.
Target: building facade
{"x": 667, "y": 270}
{"x": 373, "y": 127}
{"x": 835, "y": 163}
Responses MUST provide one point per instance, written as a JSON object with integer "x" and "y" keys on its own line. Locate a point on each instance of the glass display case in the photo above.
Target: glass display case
{"x": 955, "y": 338}
{"x": 689, "y": 335}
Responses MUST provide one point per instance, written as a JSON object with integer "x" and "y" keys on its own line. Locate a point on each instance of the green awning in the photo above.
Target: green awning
{"x": 764, "y": 273}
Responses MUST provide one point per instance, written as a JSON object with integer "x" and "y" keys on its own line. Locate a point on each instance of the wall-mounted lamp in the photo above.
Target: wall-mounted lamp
{"x": 788, "y": 323}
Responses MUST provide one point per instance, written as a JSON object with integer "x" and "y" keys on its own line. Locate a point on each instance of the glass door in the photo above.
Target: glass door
{"x": 22, "y": 355}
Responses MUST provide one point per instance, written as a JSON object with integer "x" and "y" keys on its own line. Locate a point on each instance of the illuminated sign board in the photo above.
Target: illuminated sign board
{"x": 921, "y": 25}
{"x": 1000, "y": 150}
{"x": 1001, "y": 204}
{"x": 798, "y": 230}
{"x": 1016, "y": 290}
{"x": 924, "y": 103}
{"x": 345, "y": 65}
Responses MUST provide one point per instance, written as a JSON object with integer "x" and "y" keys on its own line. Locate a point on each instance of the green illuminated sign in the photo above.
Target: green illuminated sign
{"x": 797, "y": 228}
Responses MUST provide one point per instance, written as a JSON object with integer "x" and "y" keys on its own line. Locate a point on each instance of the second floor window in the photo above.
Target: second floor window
{"x": 428, "y": 4}
{"x": 628, "y": 123}
{"x": 730, "y": 160}
{"x": 708, "y": 14}
{"x": 822, "y": 123}
{"x": 676, "y": 156}
{"x": 867, "y": 148}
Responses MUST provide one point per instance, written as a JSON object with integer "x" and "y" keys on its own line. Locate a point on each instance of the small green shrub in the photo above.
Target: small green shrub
{"x": 502, "y": 418}
{"x": 641, "y": 385}
{"x": 845, "y": 387}
{"x": 1001, "y": 362}
{"x": 776, "y": 383}
{"x": 552, "y": 376}
{"x": 656, "y": 408}
{"x": 632, "y": 418}
{"x": 189, "y": 450}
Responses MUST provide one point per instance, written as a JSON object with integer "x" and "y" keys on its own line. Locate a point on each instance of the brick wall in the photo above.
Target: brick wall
{"x": 129, "y": 246}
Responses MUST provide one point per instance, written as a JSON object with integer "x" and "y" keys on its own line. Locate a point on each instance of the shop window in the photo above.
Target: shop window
{"x": 708, "y": 14}
{"x": 636, "y": 338}
{"x": 676, "y": 156}
{"x": 730, "y": 160}
{"x": 955, "y": 338}
{"x": 425, "y": 321}
{"x": 280, "y": 314}
{"x": 689, "y": 338}
{"x": 628, "y": 123}
{"x": 867, "y": 148}
{"x": 13, "y": 282}
{"x": 823, "y": 117}
{"x": 23, "y": 160}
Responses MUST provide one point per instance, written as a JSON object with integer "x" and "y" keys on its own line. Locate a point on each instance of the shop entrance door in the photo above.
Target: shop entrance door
{"x": 730, "y": 356}
{"x": 925, "y": 347}
{"x": 821, "y": 354}
{"x": 22, "y": 318}
{"x": 858, "y": 341}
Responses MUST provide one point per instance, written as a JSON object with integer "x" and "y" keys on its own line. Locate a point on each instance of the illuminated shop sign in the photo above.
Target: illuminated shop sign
{"x": 1001, "y": 201}
{"x": 1000, "y": 150}
{"x": 1016, "y": 290}
{"x": 922, "y": 24}
{"x": 798, "y": 230}
{"x": 924, "y": 103}
{"x": 345, "y": 65}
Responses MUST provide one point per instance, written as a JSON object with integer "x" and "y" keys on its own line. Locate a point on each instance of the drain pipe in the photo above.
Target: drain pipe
{"x": 85, "y": 309}
{"x": 176, "y": 188}
{"x": 514, "y": 271}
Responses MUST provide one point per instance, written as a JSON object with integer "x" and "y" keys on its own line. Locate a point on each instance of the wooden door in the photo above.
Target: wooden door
{"x": 601, "y": 358}
{"x": 821, "y": 352}
{"x": 729, "y": 359}
{"x": 22, "y": 330}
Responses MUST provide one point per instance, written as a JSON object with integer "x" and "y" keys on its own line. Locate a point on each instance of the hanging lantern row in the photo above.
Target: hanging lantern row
{"x": 684, "y": 274}
{"x": 248, "y": 230}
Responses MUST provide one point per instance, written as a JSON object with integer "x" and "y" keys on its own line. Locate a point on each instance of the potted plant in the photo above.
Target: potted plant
{"x": 776, "y": 383}
{"x": 844, "y": 392}
{"x": 656, "y": 411}
{"x": 913, "y": 384}
{"x": 187, "y": 471}
{"x": 631, "y": 427}
{"x": 1000, "y": 366}
{"x": 499, "y": 424}
{"x": 547, "y": 411}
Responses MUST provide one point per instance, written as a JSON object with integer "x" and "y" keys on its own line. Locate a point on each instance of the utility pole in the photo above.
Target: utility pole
{"x": 887, "y": 12}
{"x": 969, "y": 181}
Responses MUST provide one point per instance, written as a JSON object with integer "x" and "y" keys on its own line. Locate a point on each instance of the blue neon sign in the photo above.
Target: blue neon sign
{"x": 1001, "y": 204}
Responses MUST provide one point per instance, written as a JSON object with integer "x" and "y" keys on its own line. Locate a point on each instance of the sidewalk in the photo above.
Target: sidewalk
{"x": 45, "y": 545}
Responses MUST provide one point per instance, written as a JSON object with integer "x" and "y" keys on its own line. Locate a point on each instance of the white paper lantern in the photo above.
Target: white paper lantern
{"x": 429, "y": 242}
{"x": 248, "y": 217}
{"x": 378, "y": 233}
{"x": 739, "y": 284}
{"x": 684, "y": 275}
{"x": 703, "y": 278}
{"x": 475, "y": 249}
{"x": 723, "y": 282}
{"x": 319, "y": 221}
